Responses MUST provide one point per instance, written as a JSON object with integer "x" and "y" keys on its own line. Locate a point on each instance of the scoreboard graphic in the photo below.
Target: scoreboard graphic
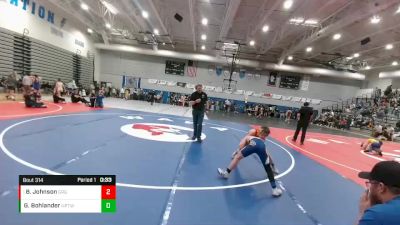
{"x": 67, "y": 194}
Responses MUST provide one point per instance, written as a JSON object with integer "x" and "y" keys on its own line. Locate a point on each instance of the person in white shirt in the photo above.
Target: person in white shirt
{"x": 227, "y": 105}
{"x": 122, "y": 93}
{"x": 27, "y": 82}
{"x": 378, "y": 129}
{"x": 288, "y": 115}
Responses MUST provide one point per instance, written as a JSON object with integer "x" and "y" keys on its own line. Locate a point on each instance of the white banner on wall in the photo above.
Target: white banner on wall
{"x": 305, "y": 83}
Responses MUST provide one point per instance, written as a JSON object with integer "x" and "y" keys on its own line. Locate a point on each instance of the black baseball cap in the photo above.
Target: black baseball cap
{"x": 387, "y": 172}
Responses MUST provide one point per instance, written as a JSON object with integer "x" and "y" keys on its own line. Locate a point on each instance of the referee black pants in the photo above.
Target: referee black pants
{"x": 303, "y": 128}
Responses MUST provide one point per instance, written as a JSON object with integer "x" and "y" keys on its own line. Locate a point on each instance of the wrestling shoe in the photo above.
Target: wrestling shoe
{"x": 276, "y": 192}
{"x": 380, "y": 154}
{"x": 223, "y": 173}
{"x": 193, "y": 138}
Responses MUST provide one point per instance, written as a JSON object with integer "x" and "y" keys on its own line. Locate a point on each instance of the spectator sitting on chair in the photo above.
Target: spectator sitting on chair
{"x": 31, "y": 100}
{"x": 99, "y": 99}
{"x": 75, "y": 98}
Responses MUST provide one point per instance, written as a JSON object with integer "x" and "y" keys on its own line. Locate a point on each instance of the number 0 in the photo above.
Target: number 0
{"x": 108, "y": 205}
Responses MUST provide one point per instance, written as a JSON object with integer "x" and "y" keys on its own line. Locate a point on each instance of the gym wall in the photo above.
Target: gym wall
{"x": 115, "y": 64}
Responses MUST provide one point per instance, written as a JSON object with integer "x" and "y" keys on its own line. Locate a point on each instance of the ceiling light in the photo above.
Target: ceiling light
{"x": 297, "y": 20}
{"x": 290, "y": 57}
{"x": 204, "y": 21}
{"x": 203, "y": 37}
{"x": 395, "y": 63}
{"x": 203, "y": 47}
{"x": 311, "y": 22}
{"x": 252, "y": 43}
{"x": 308, "y": 49}
{"x": 109, "y": 7}
{"x": 337, "y": 36}
{"x": 156, "y": 32}
{"x": 367, "y": 67}
{"x": 288, "y": 4}
{"x": 163, "y": 43}
{"x": 375, "y": 19}
{"x": 108, "y": 25}
{"x": 349, "y": 58}
{"x": 145, "y": 14}
{"x": 89, "y": 30}
{"x": 356, "y": 55}
{"x": 389, "y": 46}
{"x": 84, "y": 6}
{"x": 398, "y": 10}
{"x": 265, "y": 28}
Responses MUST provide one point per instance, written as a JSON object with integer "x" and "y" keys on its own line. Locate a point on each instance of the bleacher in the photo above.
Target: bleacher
{"x": 368, "y": 105}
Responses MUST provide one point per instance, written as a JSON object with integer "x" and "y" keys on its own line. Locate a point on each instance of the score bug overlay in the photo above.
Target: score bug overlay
{"x": 67, "y": 194}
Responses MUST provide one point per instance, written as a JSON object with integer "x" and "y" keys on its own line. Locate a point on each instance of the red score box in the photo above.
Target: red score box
{"x": 108, "y": 192}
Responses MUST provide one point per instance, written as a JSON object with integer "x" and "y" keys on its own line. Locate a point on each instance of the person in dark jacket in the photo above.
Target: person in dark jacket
{"x": 306, "y": 113}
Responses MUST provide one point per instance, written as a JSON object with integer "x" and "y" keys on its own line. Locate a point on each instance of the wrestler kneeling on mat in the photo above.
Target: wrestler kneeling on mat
{"x": 256, "y": 145}
{"x": 372, "y": 145}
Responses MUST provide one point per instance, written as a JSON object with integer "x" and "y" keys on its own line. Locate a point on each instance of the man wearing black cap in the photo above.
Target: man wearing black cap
{"x": 305, "y": 117}
{"x": 380, "y": 204}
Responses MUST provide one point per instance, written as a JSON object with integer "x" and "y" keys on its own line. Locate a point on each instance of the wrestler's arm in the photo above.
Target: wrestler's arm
{"x": 245, "y": 140}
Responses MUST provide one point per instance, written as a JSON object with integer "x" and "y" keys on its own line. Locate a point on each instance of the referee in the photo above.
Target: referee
{"x": 198, "y": 101}
{"x": 304, "y": 120}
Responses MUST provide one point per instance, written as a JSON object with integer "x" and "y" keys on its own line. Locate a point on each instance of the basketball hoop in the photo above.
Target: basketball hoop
{"x": 231, "y": 52}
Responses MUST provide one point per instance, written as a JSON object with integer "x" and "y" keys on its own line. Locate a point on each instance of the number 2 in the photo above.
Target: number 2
{"x": 108, "y": 191}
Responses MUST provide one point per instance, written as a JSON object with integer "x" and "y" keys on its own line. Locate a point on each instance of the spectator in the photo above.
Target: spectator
{"x": 380, "y": 203}
{"x": 27, "y": 82}
{"x": 31, "y": 100}
{"x": 127, "y": 93}
{"x": 59, "y": 87}
{"x": 288, "y": 115}
{"x": 151, "y": 96}
{"x": 227, "y": 105}
{"x": 11, "y": 84}
{"x": 377, "y": 131}
{"x": 388, "y": 91}
{"x": 75, "y": 98}
{"x": 99, "y": 99}
{"x": 389, "y": 132}
{"x": 92, "y": 98}
{"x": 122, "y": 92}
{"x": 36, "y": 83}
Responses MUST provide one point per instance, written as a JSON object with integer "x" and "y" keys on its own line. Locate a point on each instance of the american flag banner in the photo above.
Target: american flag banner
{"x": 192, "y": 68}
